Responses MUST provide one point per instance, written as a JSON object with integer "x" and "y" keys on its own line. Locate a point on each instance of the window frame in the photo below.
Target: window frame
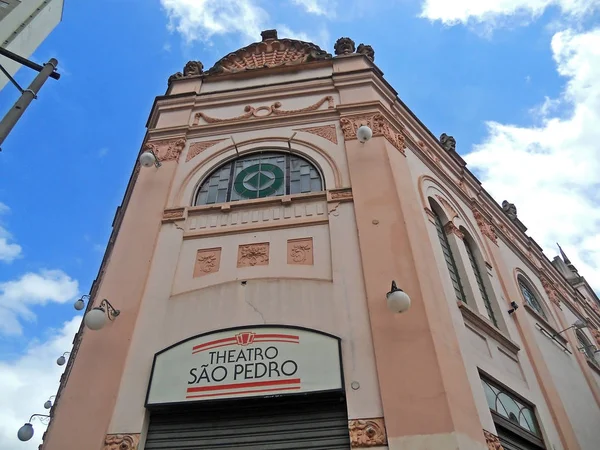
{"x": 522, "y": 282}
{"x": 267, "y": 151}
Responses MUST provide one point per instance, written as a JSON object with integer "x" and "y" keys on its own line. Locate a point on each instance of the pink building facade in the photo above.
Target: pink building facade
{"x": 250, "y": 271}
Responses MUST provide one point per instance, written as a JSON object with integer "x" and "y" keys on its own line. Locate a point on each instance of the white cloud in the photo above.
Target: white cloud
{"x": 319, "y": 7}
{"x": 27, "y": 382}
{"x": 202, "y": 19}
{"x": 9, "y": 251}
{"x": 552, "y": 171}
{"x": 17, "y": 296}
{"x": 489, "y": 11}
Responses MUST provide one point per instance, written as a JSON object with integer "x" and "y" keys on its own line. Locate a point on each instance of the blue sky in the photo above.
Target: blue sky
{"x": 515, "y": 82}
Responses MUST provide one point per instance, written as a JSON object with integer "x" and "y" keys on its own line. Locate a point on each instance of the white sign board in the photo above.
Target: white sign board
{"x": 246, "y": 362}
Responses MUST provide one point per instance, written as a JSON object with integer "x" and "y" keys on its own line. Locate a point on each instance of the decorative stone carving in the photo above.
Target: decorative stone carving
{"x": 344, "y": 194}
{"x": 423, "y": 146}
{"x": 265, "y": 111}
{"x": 378, "y": 124}
{"x": 366, "y": 50}
{"x": 121, "y": 442}
{"x": 493, "y": 442}
{"x": 193, "y": 69}
{"x": 452, "y": 214}
{"x": 173, "y": 214}
{"x": 208, "y": 260}
{"x": 300, "y": 251}
{"x": 509, "y": 209}
{"x": 167, "y": 150}
{"x": 326, "y": 132}
{"x": 175, "y": 76}
{"x": 448, "y": 142}
{"x": 450, "y": 228}
{"x": 270, "y": 52}
{"x": 550, "y": 290}
{"x": 253, "y": 255}
{"x": 367, "y": 433}
{"x": 596, "y": 335}
{"x": 344, "y": 46}
{"x": 198, "y": 147}
{"x": 487, "y": 229}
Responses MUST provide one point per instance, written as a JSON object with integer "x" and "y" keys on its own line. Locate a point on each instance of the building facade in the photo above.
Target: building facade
{"x": 24, "y": 24}
{"x": 250, "y": 269}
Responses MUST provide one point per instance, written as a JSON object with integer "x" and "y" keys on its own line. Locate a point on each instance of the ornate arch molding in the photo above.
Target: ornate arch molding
{"x": 429, "y": 187}
{"x": 545, "y": 302}
{"x": 329, "y": 170}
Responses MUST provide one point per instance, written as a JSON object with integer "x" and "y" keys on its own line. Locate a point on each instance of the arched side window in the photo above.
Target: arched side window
{"x": 480, "y": 283}
{"x": 259, "y": 175}
{"x": 530, "y": 297}
{"x": 450, "y": 261}
{"x": 585, "y": 345}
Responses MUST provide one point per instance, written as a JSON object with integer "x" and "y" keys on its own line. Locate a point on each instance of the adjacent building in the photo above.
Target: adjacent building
{"x": 247, "y": 274}
{"x": 24, "y": 24}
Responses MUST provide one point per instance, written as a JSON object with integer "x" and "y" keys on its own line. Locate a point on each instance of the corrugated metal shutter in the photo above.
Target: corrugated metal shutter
{"x": 290, "y": 423}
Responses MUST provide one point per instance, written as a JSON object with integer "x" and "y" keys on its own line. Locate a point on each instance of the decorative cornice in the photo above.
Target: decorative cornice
{"x": 428, "y": 151}
{"x": 173, "y": 214}
{"x": 198, "y": 147}
{"x": 166, "y": 150}
{"x": 492, "y": 441}
{"x": 264, "y": 111}
{"x": 378, "y": 124}
{"x": 325, "y": 131}
{"x": 367, "y": 432}
{"x": 271, "y": 52}
{"x": 121, "y": 441}
{"x": 487, "y": 229}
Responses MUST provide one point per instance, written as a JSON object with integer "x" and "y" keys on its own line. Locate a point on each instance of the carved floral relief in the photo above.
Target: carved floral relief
{"x": 326, "y": 132}
{"x": 121, "y": 442}
{"x": 198, "y": 147}
{"x": 253, "y": 255}
{"x": 550, "y": 290}
{"x": 450, "y": 228}
{"x": 493, "y": 442}
{"x": 300, "y": 251}
{"x": 367, "y": 433}
{"x": 487, "y": 229}
{"x": 264, "y": 111}
{"x": 173, "y": 214}
{"x": 378, "y": 124}
{"x": 208, "y": 260}
{"x": 166, "y": 150}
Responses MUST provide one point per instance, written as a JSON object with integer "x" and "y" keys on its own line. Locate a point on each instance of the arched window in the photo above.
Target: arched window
{"x": 259, "y": 175}
{"x": 450, "y": 262}
{"x": 530, "y": 297}
{"x": 480, "y": 284}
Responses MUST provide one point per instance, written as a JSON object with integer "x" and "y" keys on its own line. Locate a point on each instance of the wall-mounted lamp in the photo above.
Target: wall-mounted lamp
{"x": 48, "y": 403}
{"x": 149, "y": 159}
{"x": 579, "y": 324}
{"x": 80, "y": 302}
{"x": 513, "y": 308}
{"x": 61, "y": 360}
{"x": 96, "y": 318}
{"x": 364, "y": 133}
{"x": 397, "y": 300}
{"x": 26, "y": 431}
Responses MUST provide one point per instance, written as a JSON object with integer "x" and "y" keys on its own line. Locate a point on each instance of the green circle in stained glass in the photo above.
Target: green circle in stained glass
{"x": 258, "y": 180}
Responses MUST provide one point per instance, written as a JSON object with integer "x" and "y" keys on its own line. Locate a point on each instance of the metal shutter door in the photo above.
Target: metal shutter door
{"x": 300, "y": 423}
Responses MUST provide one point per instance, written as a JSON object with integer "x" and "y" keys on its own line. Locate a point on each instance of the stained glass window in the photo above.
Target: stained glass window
{"x": 450, "y": 262}
{"x": 259, "y": 175}
{"x": 508, "y": 406}
{"x": 530, "y": 298}
{"x": 479, "y": 278}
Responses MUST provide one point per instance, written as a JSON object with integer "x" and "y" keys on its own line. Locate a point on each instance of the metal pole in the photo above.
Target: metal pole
{"x": 15, "y": 113}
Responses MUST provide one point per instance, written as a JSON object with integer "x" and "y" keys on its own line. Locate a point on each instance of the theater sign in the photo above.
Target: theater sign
{"x": 246, "y": 362}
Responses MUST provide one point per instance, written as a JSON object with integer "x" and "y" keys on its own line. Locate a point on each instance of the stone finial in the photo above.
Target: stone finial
{"x": 268, "y": 34}
{"x": 344, "y": 46}
{"x": 509, "y": 209}
{"x": 448, "y": 142}
{"x": 366, "y": 50}
{"x": 193, "y": 68}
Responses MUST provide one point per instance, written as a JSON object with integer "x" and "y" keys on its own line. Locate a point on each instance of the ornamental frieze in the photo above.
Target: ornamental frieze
{"x": 121, "y": 441}
{"x": 166, "y": 150}
{"x": 378, "y": 124}
{"x": 367, "y": 433}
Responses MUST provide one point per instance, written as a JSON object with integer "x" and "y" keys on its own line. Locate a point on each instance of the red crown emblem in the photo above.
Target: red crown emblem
{"x": 245, "y": 338}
